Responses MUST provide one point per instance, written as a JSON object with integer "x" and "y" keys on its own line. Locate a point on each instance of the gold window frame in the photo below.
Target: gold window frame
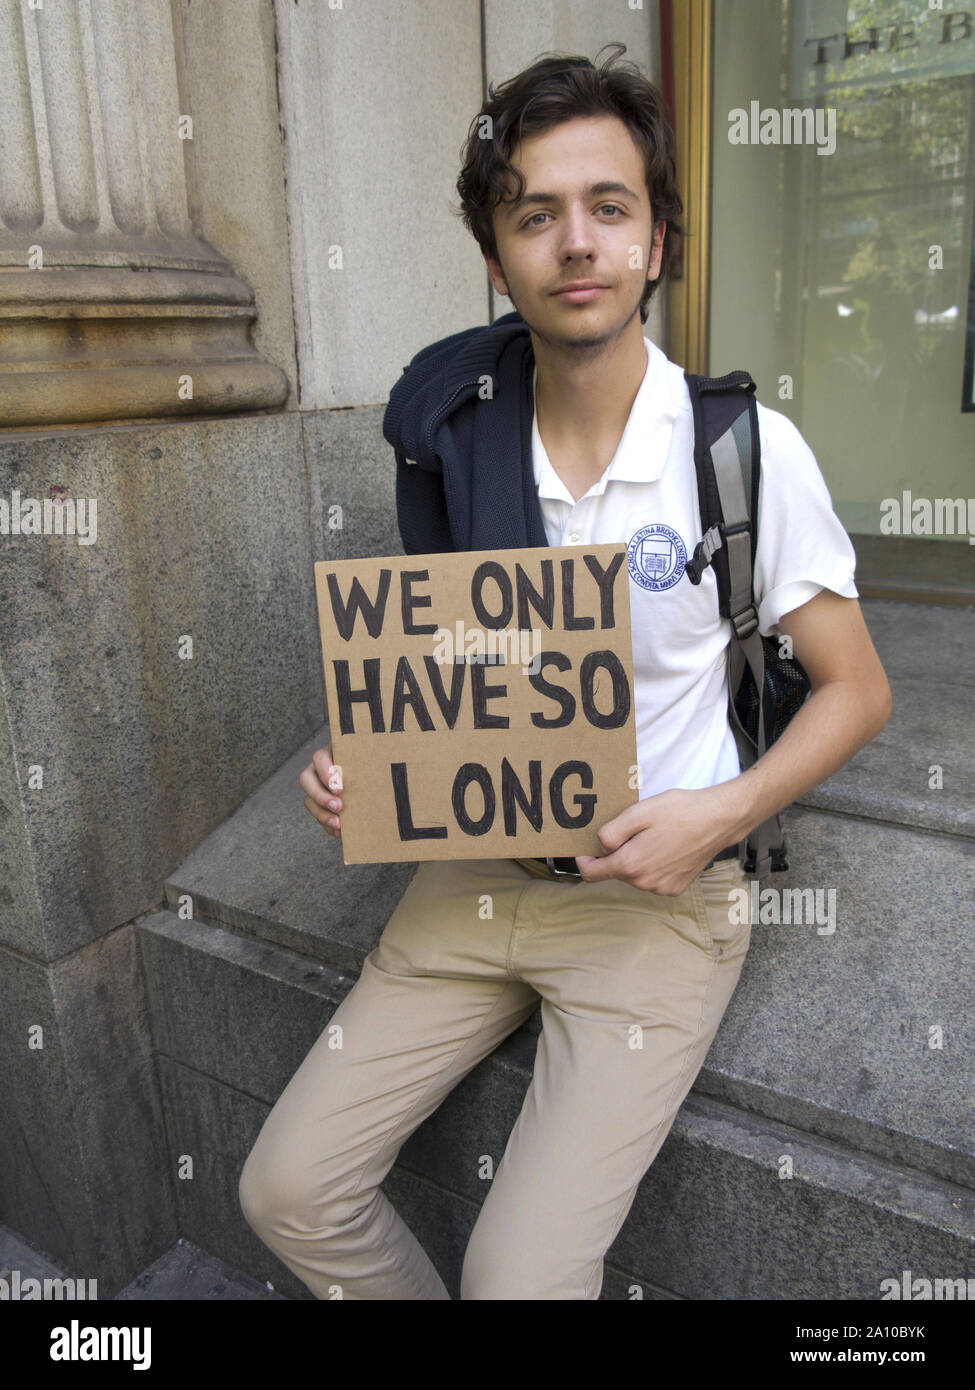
{"x": 687, "y": 296}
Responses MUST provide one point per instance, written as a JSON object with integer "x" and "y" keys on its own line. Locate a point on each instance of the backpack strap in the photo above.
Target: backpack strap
{"x": 727, "y": 455}
{"x": 716, "y": 402}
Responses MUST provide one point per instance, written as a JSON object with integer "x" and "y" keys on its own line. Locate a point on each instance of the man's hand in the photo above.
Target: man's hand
{"x": 661, "y": 844}
{"x": 321, "y": 779}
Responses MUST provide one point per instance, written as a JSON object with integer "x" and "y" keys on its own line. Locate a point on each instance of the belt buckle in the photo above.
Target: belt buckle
{"x": 560, "y": 873}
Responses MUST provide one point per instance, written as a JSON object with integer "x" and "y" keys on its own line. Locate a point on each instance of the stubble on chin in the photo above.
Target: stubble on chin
{"x": 579, "y": 350}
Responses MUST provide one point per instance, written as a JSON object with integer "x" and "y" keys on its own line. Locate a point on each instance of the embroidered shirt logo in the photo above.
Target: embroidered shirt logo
{"x": 655, "y": 557}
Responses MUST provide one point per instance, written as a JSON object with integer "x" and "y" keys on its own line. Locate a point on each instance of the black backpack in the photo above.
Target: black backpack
{"x": 765, "y": 688}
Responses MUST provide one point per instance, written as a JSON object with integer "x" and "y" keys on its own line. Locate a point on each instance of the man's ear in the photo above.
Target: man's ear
{"x": 656, "y": 251}
{"x": 496, "y": 274}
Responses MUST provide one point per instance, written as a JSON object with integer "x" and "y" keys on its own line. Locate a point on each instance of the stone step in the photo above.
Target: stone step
{"x": 928, "y": 652}
{"x": 736, "y": 1205}
{"x": 272, "y": 872}
{"x": 183, "y": 1273}
{"x": 857, "y": 1023}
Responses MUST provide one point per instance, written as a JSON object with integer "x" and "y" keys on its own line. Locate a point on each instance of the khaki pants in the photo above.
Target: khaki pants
{"x": 633, "y": 986}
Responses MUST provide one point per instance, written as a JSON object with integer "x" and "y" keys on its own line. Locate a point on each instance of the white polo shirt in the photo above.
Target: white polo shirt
{"x": 647, "y": 500}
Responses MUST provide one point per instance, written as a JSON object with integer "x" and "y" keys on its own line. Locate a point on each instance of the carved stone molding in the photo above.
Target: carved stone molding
{"x": 111, "y": 306}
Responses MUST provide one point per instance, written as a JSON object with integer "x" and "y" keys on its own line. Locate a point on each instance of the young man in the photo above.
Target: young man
{"x": 585, "y": 437}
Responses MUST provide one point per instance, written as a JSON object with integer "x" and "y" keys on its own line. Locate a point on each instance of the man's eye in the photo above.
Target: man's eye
{"x": 612, "y": 206}
{"x": 531, "y": 219}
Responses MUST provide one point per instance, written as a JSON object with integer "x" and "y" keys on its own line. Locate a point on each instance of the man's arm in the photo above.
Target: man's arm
{"x": 663, "y": 842}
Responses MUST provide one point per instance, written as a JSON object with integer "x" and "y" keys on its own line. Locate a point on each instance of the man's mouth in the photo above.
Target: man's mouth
{"x": 580, "y": 291}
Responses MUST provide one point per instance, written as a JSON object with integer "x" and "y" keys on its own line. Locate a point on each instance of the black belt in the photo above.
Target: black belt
{"x": 568, "y": 868}
{"x": 561, "y": 868}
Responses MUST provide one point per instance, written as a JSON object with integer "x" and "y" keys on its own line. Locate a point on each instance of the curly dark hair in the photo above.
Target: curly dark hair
{"x": 556, "y": 88}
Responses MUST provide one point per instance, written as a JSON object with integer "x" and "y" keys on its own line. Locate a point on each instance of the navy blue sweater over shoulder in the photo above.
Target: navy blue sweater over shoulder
{"x": 460, "y": 422}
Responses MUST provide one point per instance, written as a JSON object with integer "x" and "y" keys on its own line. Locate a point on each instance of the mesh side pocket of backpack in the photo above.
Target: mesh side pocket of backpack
{"x": 786, "y": 688}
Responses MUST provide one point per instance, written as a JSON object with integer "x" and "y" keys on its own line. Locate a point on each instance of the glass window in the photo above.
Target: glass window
{"x": 841, "y": 244}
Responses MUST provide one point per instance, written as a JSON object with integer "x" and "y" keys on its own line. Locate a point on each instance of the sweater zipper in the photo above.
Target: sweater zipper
{"x": 443, "y": 408}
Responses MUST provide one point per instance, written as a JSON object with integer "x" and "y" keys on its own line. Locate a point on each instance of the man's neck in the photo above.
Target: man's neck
{"x": 582, "y": 403}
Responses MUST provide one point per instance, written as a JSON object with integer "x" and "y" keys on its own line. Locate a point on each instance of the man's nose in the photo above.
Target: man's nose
{"x": 577, "y": 236}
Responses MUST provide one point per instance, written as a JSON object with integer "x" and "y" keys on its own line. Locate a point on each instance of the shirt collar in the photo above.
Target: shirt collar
{"x": 642, "y": 451}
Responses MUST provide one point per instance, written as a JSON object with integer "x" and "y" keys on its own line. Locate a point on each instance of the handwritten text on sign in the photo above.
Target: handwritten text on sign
{"x": 481, "y": 703}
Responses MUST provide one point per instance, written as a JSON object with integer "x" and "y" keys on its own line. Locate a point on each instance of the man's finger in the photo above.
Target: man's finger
{"x": 309, "y": 783}
{"x": 322, "y": 815}
{"x": 616, "y": 832}
{"x": 330, "y": 772}
{"x": 595, "y": 867}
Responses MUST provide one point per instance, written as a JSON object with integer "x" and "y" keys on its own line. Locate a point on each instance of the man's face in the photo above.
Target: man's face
{"x": 584, "y": 216}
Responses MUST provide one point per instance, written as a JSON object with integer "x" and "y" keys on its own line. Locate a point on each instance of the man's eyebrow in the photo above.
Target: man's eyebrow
{"x": 594, "y": 190}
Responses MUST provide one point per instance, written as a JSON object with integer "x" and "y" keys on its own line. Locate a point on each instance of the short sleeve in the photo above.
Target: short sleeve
{"x": 803, "y": 546}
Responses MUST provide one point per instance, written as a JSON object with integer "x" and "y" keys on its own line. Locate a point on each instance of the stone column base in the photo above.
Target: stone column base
{"x": 116, "y": 343}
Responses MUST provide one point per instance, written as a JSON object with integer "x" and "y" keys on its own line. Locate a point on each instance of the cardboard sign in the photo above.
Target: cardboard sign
{"x": 480, "y": 704}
